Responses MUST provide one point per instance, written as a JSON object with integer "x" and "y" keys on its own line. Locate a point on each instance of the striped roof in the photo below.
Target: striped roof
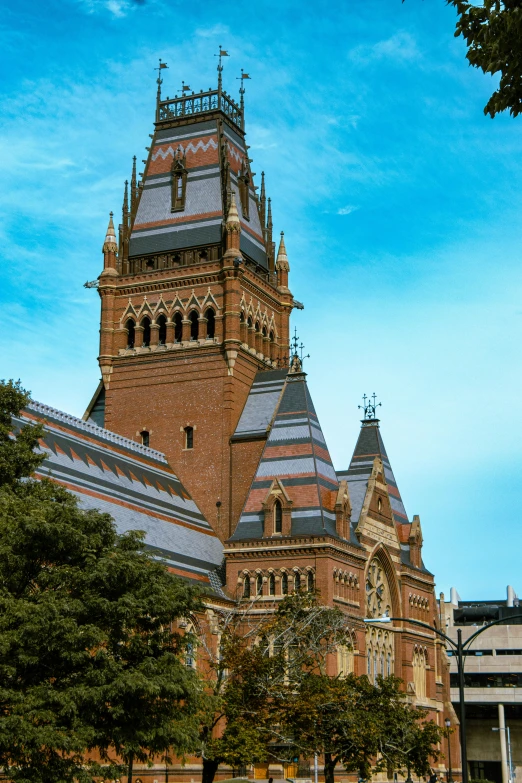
{"x": 261, "y": 404}
{"x": 295, "y": 453}
{"x": 206, "y": 147}
{"x": 132, "y": 483}
{"x": 370, "y": 445}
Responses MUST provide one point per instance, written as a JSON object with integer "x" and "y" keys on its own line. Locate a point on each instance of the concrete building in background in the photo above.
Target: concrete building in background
{"x": 493, "y": 679}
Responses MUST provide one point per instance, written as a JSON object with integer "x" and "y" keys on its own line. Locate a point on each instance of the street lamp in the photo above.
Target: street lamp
{"x": 460, "y": 651}
{"x": 447, "y": 723}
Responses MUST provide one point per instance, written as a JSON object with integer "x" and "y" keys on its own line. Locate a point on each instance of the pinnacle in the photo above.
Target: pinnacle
{"x": 233, "y": 216}
{"x": 282, "y": 258}
{"x": 110, "y": 237}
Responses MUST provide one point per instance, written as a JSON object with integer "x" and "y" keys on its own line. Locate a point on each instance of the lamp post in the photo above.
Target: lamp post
{"x": 460, "y": 649}
{"x": 447, "y": 723}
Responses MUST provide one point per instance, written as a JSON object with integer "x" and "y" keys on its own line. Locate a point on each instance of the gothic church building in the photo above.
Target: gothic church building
{"x": 203, "y": 432}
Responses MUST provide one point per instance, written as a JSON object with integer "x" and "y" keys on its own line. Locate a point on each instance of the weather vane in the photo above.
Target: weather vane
{"x": 369, "y": 406}
{"x": 222, "y": 53}
{"x": 159, "y": 80}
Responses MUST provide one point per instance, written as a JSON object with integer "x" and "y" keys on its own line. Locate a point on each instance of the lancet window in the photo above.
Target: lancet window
{"x": 146, "y": 332}
{"x": 278, "y": 517}
{"x": 131, "y": 334}
{"x": 162, "y": 331}
{"x": 211, "y": 323}
{"x": 380, "y": 652}
{"x": 194, "y": 325}
{"x": 178, "y": 327}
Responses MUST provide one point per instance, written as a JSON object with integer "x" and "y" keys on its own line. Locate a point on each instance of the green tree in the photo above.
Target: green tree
{"x": 88, "y": 660}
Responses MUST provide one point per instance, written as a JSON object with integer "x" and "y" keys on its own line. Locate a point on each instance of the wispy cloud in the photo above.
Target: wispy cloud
{"x": 346, "y": 210}
{"x": 117, "y": 8}
{"x": 400, "y": 47}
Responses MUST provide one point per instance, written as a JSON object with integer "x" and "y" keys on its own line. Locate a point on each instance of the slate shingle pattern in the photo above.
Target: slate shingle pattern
{"x": 295, "y": 453}
{"x": 132, "y": 483}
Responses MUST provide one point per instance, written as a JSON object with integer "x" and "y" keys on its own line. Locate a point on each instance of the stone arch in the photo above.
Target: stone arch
{"x": 381, "y": 555}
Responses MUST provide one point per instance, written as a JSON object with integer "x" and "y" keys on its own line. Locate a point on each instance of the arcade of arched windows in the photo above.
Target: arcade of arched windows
{"x": 380, "y": 653}
{"x": 275, "y": 583}
{"x": 420, "y": 669}
{"x": 346, "y": 586}
{"x": 258, "y": 338}
{"x": 163, "y": 330}
{"x": 419, "y": 607}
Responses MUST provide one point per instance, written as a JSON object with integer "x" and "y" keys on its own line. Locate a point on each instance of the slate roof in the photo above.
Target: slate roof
{"x": 295, "y": 453}
{"x": 132, "y": 483}
{"x": 370, "y": 445}
{"x": 156, "y": 228}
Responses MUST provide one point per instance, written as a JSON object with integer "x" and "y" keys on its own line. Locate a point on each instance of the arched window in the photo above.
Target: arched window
{"x": 131, "y": 335}
{"x": 278, "y": 517}
{"x": 146, "y": 332}
{"x": 259, "y": 585}
{"x": 145, "y": 439}
{"x": 246, "y": 587}
{"x": 194, "y": 325}
{"x": 271, "y": 584}
{"x": 344, "y": 660}
{"x": 190, "y": 649}
{"x": 297, "y": 582}
{"x": 310, "y": 582}
{"x": 178, "y": 327}
{"x": 189, "y": 437}
{"x": 388, "y": 665}
{"x": 284, "y": 583}
{"x": 162, "y": 332}
{"x": 211, "y": 323}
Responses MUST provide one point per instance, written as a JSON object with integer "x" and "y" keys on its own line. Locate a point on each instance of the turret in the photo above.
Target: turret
{"x": 110, "y": 249}
{"x": 282, "y": 267}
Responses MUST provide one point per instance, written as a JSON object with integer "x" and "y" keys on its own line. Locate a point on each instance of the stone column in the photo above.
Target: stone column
{"x": 503, "y": 744}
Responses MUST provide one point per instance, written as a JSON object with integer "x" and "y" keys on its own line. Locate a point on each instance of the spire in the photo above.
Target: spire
{"x": 133, "y": 192}
{"x": 262, "y": 205}
{"x": 282, "y": 259}
{"x": 110, "y": 248}
{"x": 233, "y": 233}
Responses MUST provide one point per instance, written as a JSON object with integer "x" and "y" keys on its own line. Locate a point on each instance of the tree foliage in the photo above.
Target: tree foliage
{"x": 88, "y": 660}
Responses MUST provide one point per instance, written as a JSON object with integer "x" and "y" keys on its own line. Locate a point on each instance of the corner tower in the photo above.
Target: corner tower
{"x": 193, "y": 304}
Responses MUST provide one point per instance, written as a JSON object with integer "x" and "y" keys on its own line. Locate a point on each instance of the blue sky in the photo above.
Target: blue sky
{"x": 401, "y": 207}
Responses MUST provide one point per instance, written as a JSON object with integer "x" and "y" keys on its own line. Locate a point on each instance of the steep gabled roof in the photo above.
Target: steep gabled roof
{"x": 132, "y": 483}
{"x": 295, "y": 453}
{"x": 370, "y": 445}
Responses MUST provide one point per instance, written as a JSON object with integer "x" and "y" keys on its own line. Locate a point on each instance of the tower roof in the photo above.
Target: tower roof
{"x": 295, "y": 455}
{"x": 203, "y": 135}
{"x": 370, "y": 445}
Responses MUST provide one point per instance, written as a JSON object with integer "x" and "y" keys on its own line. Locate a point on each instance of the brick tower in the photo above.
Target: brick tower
{"x": 194, "y": 301}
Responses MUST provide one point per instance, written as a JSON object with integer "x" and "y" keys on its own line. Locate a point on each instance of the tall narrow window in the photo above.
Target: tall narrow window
{"x": 297, "y": 582}
{"x": 310, "y": 580}
{"x": 178, "y": 328}
{"x": 162, "y": 332}
{"x": 194, "y": 325}
{"x": 131, "y": 336}
{"x": 246, "y": 587}
{"x": 189, "y": 437}
{"x": 146, "y": 332}
{"x": 179, "y": 182}
{"x": 211, "y": 323}
{"x": 284, "y": 583}
{"x": 259, "y": 585}
{"x": 278, "y": 517}
{"x": 271, "y": 584}
{"x": 145, "y": 438}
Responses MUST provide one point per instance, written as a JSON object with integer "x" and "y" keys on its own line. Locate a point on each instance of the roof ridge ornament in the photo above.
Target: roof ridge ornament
{"x": 369, "y": 407}
{"x": 297, "y": 358}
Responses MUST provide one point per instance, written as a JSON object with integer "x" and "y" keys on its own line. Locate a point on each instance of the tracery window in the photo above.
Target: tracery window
{"x": 379, "y": 652}
{"x": 419, "y": 672}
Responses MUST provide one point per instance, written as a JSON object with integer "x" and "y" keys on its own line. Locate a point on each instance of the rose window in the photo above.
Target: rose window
{"x": 377, "y": 591}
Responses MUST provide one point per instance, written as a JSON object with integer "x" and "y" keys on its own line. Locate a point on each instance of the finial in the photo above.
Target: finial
{"x": 242, "y": 96}
{"x": 222, "y": 53}
{"x": 159, "y": 80}
{"x": 233, "y": 215}
{"x": 296, "y": 362}
{"x": 110, "y": 237}
{"x": 369, "y": 407}
{"x": 282, "y": 259}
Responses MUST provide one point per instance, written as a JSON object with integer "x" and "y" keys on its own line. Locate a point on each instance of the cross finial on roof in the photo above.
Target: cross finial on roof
{"x": 297, "y": 358}
{"x": 369, "y": 407}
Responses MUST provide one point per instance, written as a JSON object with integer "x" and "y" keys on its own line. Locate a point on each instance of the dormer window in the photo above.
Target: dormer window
{"x": 179, "y": 182}
{"x": 243, "y": 182}
{"x": 278, "y": 517}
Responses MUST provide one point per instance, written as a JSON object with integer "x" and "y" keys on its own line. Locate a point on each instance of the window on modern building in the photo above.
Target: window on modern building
{"x": 297, "y": 582}
{"x": 246, "y": 587}
{"x": 146, "y": 332}
{"x": 310, "y": 582}
{"x": 145, "y": 438}
{"x": 178, "y": 328}
{"x": 189, "y": 437}
{"x": 284, "y": 583}
{"x": 278, "y": 517}
{"x": 259, "y": 585}
{"x": 194, "y": 325}
{"x": 131, "y": 335}
{"x": 271, "y": 584}
{"x": 211, "y": 323}
{"x": 162, "y": 332}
